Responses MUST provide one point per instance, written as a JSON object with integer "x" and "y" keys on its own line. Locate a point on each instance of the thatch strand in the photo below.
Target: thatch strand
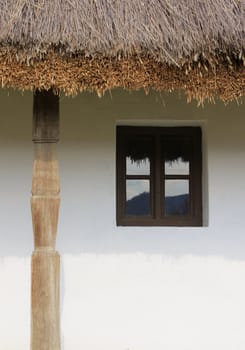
{"x": 169, "y": 30}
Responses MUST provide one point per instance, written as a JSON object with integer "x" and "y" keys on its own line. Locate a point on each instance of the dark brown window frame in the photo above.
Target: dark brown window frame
{"x": 194, "y": 218}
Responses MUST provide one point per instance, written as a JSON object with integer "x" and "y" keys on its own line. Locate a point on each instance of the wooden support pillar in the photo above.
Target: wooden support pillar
{"x": 45, "y": 201}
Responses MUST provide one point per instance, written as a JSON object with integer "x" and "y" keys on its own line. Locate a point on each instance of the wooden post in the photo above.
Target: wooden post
{"x": 45, "y": 200}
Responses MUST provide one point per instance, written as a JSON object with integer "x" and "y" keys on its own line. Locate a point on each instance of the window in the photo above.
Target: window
{"x": 159, "y": 172}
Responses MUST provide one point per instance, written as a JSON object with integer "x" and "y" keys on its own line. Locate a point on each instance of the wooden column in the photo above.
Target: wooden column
{"x": 45, "y": 201}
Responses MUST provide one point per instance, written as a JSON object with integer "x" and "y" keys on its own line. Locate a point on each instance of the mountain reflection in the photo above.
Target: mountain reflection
{"x": 140, "y": 205}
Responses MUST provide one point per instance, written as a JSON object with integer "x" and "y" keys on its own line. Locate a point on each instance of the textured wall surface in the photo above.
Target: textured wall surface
{"x": 121, "y": 287}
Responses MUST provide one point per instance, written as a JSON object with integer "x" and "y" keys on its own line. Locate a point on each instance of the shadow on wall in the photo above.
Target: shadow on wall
{"x": 15, "y": 173}
{"x": 87, "y": 169}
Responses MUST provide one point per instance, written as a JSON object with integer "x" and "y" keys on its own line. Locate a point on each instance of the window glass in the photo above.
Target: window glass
{"x": 138, "y": 197}
{"x": 137, "y": 167}
{"x": 176, "y": 198}
{"x": 138, "y": 155}
{"x": 176, "y": 156}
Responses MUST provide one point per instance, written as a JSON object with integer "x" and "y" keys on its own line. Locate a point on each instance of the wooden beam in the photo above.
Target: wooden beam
{"x": 45, "y": 201}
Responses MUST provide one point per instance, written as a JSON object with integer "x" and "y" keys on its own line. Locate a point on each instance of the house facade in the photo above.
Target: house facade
{"x": 149, "y": 251}
{"x": 126, "y": 287}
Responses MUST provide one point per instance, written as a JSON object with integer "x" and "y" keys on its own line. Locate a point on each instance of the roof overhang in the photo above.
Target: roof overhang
{"x": 96, "y": 45}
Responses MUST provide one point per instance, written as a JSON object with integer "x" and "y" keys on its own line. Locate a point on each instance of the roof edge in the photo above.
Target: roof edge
{"x": 223, "y": 77}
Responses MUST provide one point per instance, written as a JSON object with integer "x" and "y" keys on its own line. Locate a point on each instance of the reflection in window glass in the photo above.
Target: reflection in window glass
{"x": 176, "y": 197}
{"x": 138, "y": 154}
{"x": 177, "y": 167}
{"x": 138, "y": 197}
{"x": 177, "y": 156}
{"x": 140, "y": 167}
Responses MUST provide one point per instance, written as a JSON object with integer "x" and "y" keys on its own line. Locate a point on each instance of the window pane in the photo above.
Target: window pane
{"x": 176, "y": 201}
{"x": 177, "y": 167}
{"x": 141, "y": 167}
{"x": 177, "y": 156}
{"x": 138, "y": 154}
{"x": 138, "y": 197}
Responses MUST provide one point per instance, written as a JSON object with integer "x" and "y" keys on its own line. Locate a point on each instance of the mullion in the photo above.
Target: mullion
{"x": 191, "y": 180}
{"x": 158, "y": 178}
{"x": 138, "y": 177}
{"x": 177, "y": 177}
{"x": 162, "y": 206}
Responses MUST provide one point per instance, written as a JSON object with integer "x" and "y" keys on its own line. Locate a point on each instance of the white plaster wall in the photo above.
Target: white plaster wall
{"x": 126, "y": 288}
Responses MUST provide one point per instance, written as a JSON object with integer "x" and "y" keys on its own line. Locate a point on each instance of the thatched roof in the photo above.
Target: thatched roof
{"x": 76, "y": 45}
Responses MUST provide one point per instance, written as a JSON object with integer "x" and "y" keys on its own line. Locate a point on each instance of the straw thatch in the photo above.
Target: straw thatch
{"x": 76, "y": 45}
